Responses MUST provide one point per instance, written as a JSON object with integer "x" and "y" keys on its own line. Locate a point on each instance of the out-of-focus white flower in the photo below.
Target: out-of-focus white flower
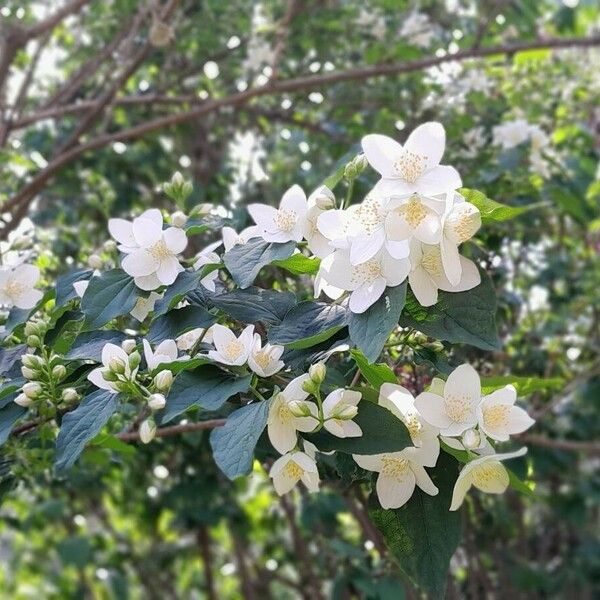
{"x": 208, "y": 257}
{"x": 165, "y": 352}
{"x": 264, "y": 361}
{"x": 418, "y": 30}
{"x": 17, "y": 287}
{"x": 339, "y": 408}
{"x": 144, "y": 306}
{"x": 81, "y": 286}
{"x": 288, "y": 222}
{"x": 231, "y": 350}
{"x": 291, "y": 468}
{"x": 487, "y": 474}
{"x": 186, "y": 341}
{"x": 232, "y": 238}
{"x": 151, "y": 251}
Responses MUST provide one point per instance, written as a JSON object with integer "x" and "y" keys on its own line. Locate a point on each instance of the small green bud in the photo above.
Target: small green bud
{"x": 317, "y": 373}
{"x": 178, "y": 188}
{"x": 346, "y": 413}
{"x": 299, "y": 408}
{"x": 95, "y": 262}
{"x": 147, "y": 430}
{"x": 109, "y": 375}
{"x": 23, "y": 400}
{"x": 163, "y": 381}
{"x": 32, "y": 389}
{"x": 29, "y": 373}
{"x": 128, "y": 345}
{"x": 310, "y": 386}
{"x": 69, "y": 395}
{"x": 355, "y": 167}
{"x": 31, "y": 328}
{"x": 134, "y": 360}
{"x": 31, "y": 361}
{"x": 157, "y": 401}
{"x": 117, "y": 365}
{"x": 34, "y": 341}
{"x": 59, "y": 372}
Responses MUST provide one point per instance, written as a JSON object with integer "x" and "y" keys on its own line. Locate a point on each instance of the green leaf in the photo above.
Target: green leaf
{"x": 244, "y": 261}
{"x": 375, "y": 374}
{"x": 298, "y": 264}
{"x": 83, "y": 424}
{"x": 186, "y": 281}
{"x": 108, "y": 296}
{"x": 88, "y": 345}
{"x": 10, "y": 413}
{"x": 423, "y": 534}
{"x": 177, "y": 322}
{"x": 178, "y": 366}
{"x": 75, "y": 551}
{"x": 307, "y": 324}
{"x": 113, "y": 443}
{"x": 198, "y": 225}
{"x": 64, "y": 285}
{"x": 382, "y": 432}
{"x": 459, "y": 317}
{"x": 233, "y": 444}
{"x": 523, "y": 385}
{"x": 370, "y": 330}
{"x": 254, "y": 304}
{"x": 9, "y": 356}
{"x": 492, "y": 211}
{"x": 207, "y": 387}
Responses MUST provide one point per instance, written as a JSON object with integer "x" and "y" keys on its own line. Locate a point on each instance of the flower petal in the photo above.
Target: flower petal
{"x": 294, "y": 199}
{"x": 432, "y": 409}
{"x": 395, "y": 492}
{"x": 381, "y": 152}
{"x": 439, "y": 180}
{"x": 175, "y": 239}
{"x": 423, "y": 287}
{"x": 168, "y": 270}
{"x": 366, "y": 295}
{"x": 146, "y": 231}
{"x": 428, "y": 140}
{"x": 122, "y": 231}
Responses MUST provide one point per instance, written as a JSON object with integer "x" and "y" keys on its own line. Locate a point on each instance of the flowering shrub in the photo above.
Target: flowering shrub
{"x": 294, "y": 380}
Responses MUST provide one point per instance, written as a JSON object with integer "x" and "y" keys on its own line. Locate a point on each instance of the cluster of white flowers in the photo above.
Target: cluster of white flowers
{"x": 409, "y": 225}
{"x": 418, "y": 29}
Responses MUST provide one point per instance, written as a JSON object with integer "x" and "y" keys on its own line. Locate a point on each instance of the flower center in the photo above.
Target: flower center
{"x": 464, "y": 224}
{"x": 262, "y": 358}
{"x": 409, "y": 165}
{"x": 159, "y": 250}
{"x": 413, "y": 211}
{"x": 293, "y": 470}
{"x": 14, "y": 289}
{"x": 414, "y": 426}
{"x": 233, "y": 349}
{"x": 484, "y": 474}
{"x": 286, "y": 219}
{"x": 394, "y": 467}
{"x": 458, "y": 408}
{"x": 496, "y": 416}
{"x": 432, "y": 261}
{"x": 284, "y": 413}
{"x": 371, "y": 215}
{"x": 366, "y": 272}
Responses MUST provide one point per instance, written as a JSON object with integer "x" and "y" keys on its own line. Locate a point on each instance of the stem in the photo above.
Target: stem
{"x": 348, "y": 198}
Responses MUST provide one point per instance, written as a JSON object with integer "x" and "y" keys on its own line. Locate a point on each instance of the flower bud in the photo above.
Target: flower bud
{"x": 299, "y": 408}
{"x": 59, "y": 372}
{"x": 29, "y": 373}
{"x": 70, "y": 395}
{"x": 109, "y": 375}
{"x": 355, "y": 167}
{"x": 178, "y": 219}
{"x": 317, "y": 373}
{"x": 346, "y": 413}
{"x": 23, "y": 400}
{"x": 34, "y": 341}
{"x": 95, "y": 262}
{"x": 117, "y": 365}
{"x": 157, "y": 401}
{"x": 109, "y": 246}
{"x": 471, "y": 439}
{"x": 201, "y": 210}
{"x": 32, "y": 389}
{"x": 309, "y": 386}
{"x": 178, "y": 188}
{"x": 128, "y": 345}
{"x": 31, "y": 361}
{"x": 177, "y": 179}
{"x": 147, "y": 430}
{"x": 35, "y": 328}
{"x": 134, "y": 360}
{"x": 163, "y": 381}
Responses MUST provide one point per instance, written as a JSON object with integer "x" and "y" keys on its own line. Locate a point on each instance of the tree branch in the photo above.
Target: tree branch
{"x": 53, "y": 20}
{"x": 569, "y": 445}
{"x": 134, "y": 436}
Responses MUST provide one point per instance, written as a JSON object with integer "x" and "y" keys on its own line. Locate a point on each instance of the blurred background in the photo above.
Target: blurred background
{"x": 101, "y": 101}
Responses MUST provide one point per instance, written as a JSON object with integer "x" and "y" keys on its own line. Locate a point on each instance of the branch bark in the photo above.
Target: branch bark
{"x": 134, "y": 436}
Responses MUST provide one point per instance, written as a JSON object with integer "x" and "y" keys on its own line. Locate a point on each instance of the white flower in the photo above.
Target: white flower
{"x": 427, "y": 274}
{"x": 282, "y": 423}
{"x": 398, "y": 472}
{"x": 424, "y": 437}
{"x": 17, "y": 287}
{"x": 361, "y": 230}
{"x": 417, "y": 28}
{"x": 414, "y": 167}
{"x": 456, "y": 410}
{"x": 291, "y": 468}
{"x": 186, "y": 341}
{"x": 285, "y": 224}
{"x": 487, "y": 474}
{"x": 208, "y": 257}
{"x": 367, "y": 281}
{"x": 143, "y": 306}
{"x": 414, "y": 216}
{"x": 265, "y": 361}
{"x": 511, "y": 134}
{"x": 319, "y": 202}
{"x": 231, "y": 350}
{"x": 81, "y": 286}
{"x": 460, "y": 223}
{"x": 498, "y": 416}
{"x": 166, "y": 352}
{"x": 151, "y": 251}
{"x": 339, "y": 408}
{"x": 111, "y": 355}
{"x": 232, "y": 238}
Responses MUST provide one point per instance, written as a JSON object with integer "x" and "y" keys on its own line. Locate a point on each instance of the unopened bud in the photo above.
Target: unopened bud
{"x": 95, "y": 262}
{"x": 157, "y": 401}
{"x": 34, "y": 341}
{"x": 59, "y": 372}
{"x": 178, "y": 188}
{"x": 160, "y": 34}
{"x": 147, "y": 430}
{"x": 163, "y": 381}
{"x": 69, "y": 395}
{"x": 317, "y": 373}
{"x": 309, "y": 386}
{"x": 109, "y": 246}
{"x": 471, "y": 439}
{"x": 355, "y": 167}
{"x": 346, "y": 413}
{"x": 201, "y": 210}
{"x": 134, "y": 360}
{"x": 29, "y": 373}
{"x": 32, "y": 389}
{"x": 35, "y": 328}
{"x": 30, "y": 361}
{"x": 128, "y": 345}
{"x": 23, "y": 400}
{"x": 178, "y": 219}
{"x": 299, "y": 408}
{"x": 117, "y": 365}
{"x": 109, "y": 375}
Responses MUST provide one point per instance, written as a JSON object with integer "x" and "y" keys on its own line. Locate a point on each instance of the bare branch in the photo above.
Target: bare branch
{"x": 569, "y": 445}
{"x": 54, "y": 19}
{"x": 134, "y": 436}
